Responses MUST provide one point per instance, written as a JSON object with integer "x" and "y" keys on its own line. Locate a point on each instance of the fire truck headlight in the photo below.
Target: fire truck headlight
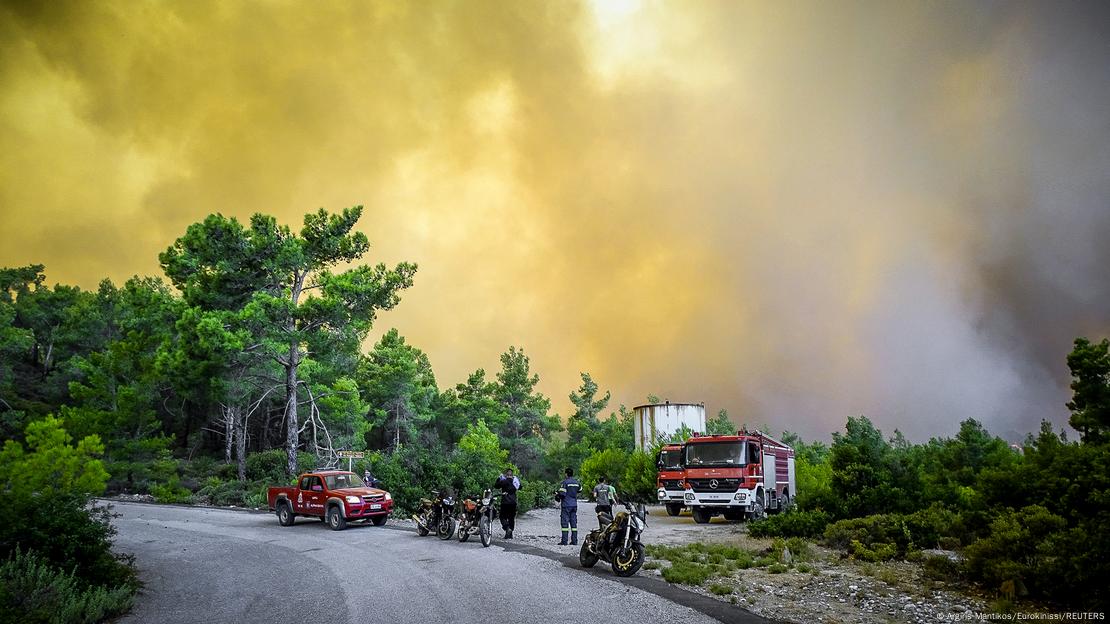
{"x": 741, "y": 496}
{"x": 689, "y": 496}
{"x": 662, "y": 493}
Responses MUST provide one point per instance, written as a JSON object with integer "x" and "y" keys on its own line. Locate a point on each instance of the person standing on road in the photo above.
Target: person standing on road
{"x": 567, "y": 494}
{"x": 508, "y": 484}
{"x": 606, "y": 497}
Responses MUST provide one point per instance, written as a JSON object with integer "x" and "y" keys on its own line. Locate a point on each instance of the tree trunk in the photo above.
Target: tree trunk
{"x": 292, "y": 434}
{"x": 229, "y": 434}
{"x": 240, "y": 420}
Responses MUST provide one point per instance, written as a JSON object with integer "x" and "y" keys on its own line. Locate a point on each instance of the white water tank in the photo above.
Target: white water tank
{"x": 657, "y": 420}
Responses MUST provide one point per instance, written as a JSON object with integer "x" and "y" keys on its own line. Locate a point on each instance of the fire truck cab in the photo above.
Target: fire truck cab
{"x": 740, "y": 476}
{"x": 671, "y": 480}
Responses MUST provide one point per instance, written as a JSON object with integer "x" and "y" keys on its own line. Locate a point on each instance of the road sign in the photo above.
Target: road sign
{"x": 351, "y": 454}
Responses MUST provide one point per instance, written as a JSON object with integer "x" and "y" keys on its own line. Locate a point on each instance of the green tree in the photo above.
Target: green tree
{"x": 50, "y": 466}
{"x": 640, "y": 477}
{"x": 609, "y": 463}
{"x": 1090, "y": 404}
{"x": 396, "y": 379}
{"x": 586, "y": 403}
{"x": 219, "y": 264}
{"x": 478, "y": 460}
{"x": 528, "y": 425}
{"x": 467, "y": 403}
{"x": 721, "y": 424}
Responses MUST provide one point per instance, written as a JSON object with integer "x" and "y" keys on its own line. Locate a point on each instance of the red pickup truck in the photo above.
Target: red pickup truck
{"x": 334, "y": 496}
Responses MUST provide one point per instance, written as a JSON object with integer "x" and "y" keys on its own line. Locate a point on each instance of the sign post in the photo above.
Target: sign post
{"x": 351, "y": 456}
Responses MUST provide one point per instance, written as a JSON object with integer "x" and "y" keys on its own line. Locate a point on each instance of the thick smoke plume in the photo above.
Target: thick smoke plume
{"x": 794, "y": 212}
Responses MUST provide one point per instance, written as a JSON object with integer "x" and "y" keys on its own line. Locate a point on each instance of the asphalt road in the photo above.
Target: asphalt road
{"x": 217, "y": 565}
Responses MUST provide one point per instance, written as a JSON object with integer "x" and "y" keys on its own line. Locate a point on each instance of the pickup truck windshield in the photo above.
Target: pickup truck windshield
{"x": 716, "y": 454}
{"x": 670, "y": 460}
{"x": 343, "y": 481}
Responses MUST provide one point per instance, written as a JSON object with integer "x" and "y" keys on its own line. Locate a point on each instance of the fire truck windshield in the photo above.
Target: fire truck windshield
{"x": 670, "y": 460}
{"x": 716, "y": 454}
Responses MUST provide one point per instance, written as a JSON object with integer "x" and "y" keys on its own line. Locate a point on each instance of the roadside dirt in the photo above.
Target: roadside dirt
{"x": 830, "y": 589}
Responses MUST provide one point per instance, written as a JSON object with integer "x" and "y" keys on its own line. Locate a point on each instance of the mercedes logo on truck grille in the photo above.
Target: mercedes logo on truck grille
{"x": 713, "y": 483}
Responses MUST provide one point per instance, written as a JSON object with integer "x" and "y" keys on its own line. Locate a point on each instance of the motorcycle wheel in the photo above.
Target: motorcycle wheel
{"x": 585, "y": 557}
{"x": 627, "y": 562}
{"x": 422, "y": 529}
{"x": 464, "y": 531}
{"x": 446, "y": 529}
{"x": 484, "y": 532}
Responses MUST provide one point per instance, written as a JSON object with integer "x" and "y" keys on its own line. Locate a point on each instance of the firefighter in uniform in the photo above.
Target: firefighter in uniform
{"x": 568, "y": 507}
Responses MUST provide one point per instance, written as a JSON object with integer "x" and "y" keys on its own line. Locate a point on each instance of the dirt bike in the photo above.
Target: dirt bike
{"x": 477, "y": 517}
{"x": 618, "y": 543}
{"x": 436, "y": 514}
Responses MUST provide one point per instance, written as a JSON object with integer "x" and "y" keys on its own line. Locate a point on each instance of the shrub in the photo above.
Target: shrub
{"x": 776, "y": 568}
{"x": 687, "y": 573}
{"x": 33, "y": 591}
{"x": 64, "y": 534}
{"x": 720, "y": 590}
{"x": 942, "y": 568}
{"x": 535, "y": 494}
{"x": 874, "y": 552}
{"x": 609, "y": 463}
{"x": 1027, "y": 548}
{"x": 881, "y": 528}
{"x": 237, "y": 493}
{"x": 808, "y": 524}
{"x": 638, "y": 482}
{"x": 171, "y": 492}
{"x": 269, "y": 466}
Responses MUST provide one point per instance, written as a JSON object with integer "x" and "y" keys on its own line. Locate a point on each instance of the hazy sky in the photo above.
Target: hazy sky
{"x": 794, "y": 211}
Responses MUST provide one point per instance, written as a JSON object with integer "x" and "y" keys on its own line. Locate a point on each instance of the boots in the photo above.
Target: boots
{"x": 510, "y": 534}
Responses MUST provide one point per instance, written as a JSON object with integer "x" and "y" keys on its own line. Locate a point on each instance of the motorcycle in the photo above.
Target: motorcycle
{"x": 436, "y": 514}
{"x": 618, "y": 543}
{"x": 477, "y": 517}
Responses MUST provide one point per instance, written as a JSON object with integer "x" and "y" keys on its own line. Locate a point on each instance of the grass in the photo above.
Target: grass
{"x": 720, "y": 590}
{"x": 694, "y": 564}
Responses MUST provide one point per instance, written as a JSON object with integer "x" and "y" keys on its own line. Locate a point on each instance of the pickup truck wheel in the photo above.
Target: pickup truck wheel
{"x": 285, "y": 515}
{"x": 379, "y": 520}
{"x": 335, "y": 518}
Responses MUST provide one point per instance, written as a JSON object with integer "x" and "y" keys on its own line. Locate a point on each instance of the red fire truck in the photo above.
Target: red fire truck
{"x": 672, "y": 476}
{"x": 740, "y": 476}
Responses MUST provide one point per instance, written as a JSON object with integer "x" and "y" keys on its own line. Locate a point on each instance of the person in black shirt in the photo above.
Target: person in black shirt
{"x": 508, "y": 484}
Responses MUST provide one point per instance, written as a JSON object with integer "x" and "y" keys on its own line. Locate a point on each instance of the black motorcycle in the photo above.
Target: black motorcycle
{"x": 436, "y": 514}
{"x": 477, "y": 517}
{"x": 618, "y": 543}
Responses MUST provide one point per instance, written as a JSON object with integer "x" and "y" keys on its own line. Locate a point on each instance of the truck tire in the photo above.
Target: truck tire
{"x": 758, "y": 512}
{"x": 701, "y": 516}
{"x": 734, "y": 515}
{"x": 379, "y": 520}
{"x": 285, "y": 514}
{"x": 673, "y": 509}
{"x": 335, "y": 518}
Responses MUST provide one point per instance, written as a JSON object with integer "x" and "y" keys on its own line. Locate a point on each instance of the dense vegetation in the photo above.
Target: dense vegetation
{"x": 248, "y": 366}
{"x": 1032, "y": 521}
{"x": 242, "y": 370}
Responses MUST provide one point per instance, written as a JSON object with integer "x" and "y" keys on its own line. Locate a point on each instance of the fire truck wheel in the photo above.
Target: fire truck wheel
{"x": 785, "y": 502}
{"x": 734, "y": 516}
{"x": 759, "y": 512}
{"x": 673, "y": 509}
{"x": 701, "y": 516}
